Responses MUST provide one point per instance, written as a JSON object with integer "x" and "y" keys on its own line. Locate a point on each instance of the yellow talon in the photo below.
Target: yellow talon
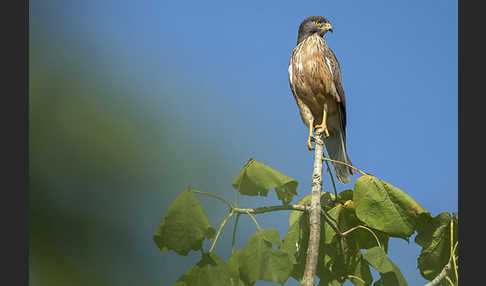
{"x": 323, "y": 125}
{"x": 309, "y": 145}
{"x": 324, "y": 128}
{"x": 309, "y": 139}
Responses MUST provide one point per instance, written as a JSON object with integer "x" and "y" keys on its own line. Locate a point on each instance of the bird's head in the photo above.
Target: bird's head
{"x": 312, "y": 25}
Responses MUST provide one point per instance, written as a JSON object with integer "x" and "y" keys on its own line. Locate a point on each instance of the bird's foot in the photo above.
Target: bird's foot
{"x": 324, "y": 129}
{"x": 309, "y": 145}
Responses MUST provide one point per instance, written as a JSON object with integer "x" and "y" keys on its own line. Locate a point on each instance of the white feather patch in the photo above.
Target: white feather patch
{"x": 329, "y": 65}
{"x": 290, "y": 73}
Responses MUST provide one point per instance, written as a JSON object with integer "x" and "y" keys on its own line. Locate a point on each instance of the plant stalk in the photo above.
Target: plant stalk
{"x": 308, "y": 278}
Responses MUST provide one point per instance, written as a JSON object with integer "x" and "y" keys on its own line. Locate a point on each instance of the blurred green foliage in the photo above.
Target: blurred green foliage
{"x": 106, "y": 156}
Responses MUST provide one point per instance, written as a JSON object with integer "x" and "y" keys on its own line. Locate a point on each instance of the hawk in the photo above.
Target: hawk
{"x": 315, "y": 81}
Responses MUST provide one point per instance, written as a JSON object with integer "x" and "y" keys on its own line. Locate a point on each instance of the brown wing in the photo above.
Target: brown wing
{"x": 336, "y": 73}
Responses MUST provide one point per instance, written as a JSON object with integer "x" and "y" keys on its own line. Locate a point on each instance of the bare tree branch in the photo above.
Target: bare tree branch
{"x": 314, "y": 214}
{"x": 261, "y": 210}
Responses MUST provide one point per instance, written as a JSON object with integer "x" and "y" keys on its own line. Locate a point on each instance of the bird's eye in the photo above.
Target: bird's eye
{"x": 318, "y": 23}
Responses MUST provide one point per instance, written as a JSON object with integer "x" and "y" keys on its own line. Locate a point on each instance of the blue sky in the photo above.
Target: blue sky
{"x": 218, "y": 71}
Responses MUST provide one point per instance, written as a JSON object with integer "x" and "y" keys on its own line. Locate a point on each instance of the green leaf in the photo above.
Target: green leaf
{"x": 384, "y": 207}
{"x": 210, "y": 271}
{"x": 428, "y": 225}
{"x": 389, "y": 272}
{"x": 345, "y": 196}
{"x": 434, "y": 237}
{"x": 271, "y": 235}
{"x": 295, "y": 243}
{"x": 184, "y": 226}
{"x": 259, "y": 261}
{"x": 256, "y": 179}
{"x": 234, "y": 266}
{"x": 346, "y": 218}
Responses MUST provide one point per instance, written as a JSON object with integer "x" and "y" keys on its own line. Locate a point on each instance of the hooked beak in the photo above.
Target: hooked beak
{"x": 326, "y": 27}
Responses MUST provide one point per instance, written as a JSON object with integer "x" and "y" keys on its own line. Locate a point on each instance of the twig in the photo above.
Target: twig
{"x": 314, "y": 214}
{"x": 341, "y": 245}
{"x": 346, "y": 164}
{"x": 332, "y": 180}
{"x": 233, "y": 240}
{"x": 214, "y": 196}
{"x": 238, "y": 191}
{"x": 236, "y": 197}
{"x": 356, "y": 277}
{"x": 250, "y": 211}
{"x": 368, "y": 229}
{"x": 219, "y": 230}
{"x": 331, "y": 223}
{"x": 453, "y": 256}
{"x": 261, "y": 210}
{"x": 255, "y": 221}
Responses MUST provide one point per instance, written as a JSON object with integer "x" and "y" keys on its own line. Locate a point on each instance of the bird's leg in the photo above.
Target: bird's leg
{"x": 323, "y": 124}
{"x": 311, "y": 135}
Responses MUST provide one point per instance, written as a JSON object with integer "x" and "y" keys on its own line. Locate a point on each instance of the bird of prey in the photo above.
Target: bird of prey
{"x": 315, "y": 80}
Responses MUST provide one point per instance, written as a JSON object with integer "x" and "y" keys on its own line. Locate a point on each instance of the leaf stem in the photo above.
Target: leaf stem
{"x": 453, "y": 256}
{"x": 238, "y": 190}
{"x": 346, "y": 164}
{"x": 332, "y": 180}
{"x": 261, "y": 210}
{"x": 368, "y": 229}
{"x": 255, "y": 221}
{"x": 234, "y": 233}
{"x": 331, "y": 223}
{"x": 219, "y": 230}
{"x": 356, "y": 277}
{"x": 449, "y": 280}
{"x": 214, "y": 196}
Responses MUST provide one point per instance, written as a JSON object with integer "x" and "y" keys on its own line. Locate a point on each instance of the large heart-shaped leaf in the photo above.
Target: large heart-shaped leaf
{"x": 184, "y": 226}
{"x": 385, "y": 207}
{"x": 256, "y": 179}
